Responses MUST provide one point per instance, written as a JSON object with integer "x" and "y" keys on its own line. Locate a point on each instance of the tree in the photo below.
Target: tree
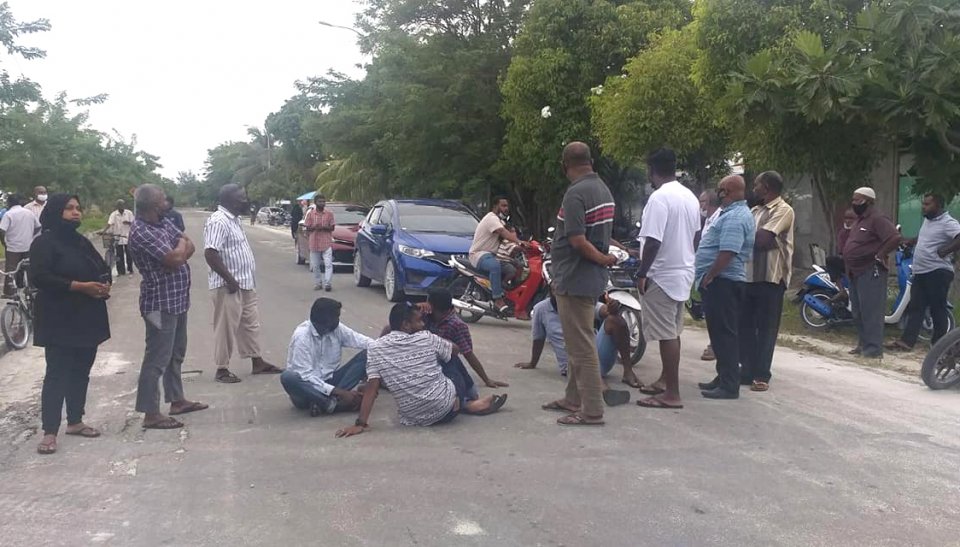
{"x": 18, "y": 91}
{"x": 657, "y": 103}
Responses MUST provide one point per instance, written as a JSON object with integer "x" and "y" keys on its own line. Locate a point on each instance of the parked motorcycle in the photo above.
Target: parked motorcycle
{"x": 522, "y": 293}
{"x": 819, "y": 307}
{"x": 940, "y": 368}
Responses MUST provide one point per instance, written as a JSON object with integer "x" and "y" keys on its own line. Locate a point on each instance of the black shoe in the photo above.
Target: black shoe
{"x": 315, "y": 410}
{"x": 709, "y": 386}
{"x": 720, "y": 393}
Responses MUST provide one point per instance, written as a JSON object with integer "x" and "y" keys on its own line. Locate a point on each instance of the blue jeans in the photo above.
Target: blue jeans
{"x": 606, "y": 350}
{"x": 325, "y": 276}
{"x": 491, "y": 266}
{"x": 462, "y": 383}
{"x": 303, "y": 394}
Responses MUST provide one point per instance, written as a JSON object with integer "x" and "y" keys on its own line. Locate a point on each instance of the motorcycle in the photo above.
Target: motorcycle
{"x": 820, "y": 308}
{"x": 941, "y": 366}
{"x": 622, "y": 288}
{"x": 522, "y": 293}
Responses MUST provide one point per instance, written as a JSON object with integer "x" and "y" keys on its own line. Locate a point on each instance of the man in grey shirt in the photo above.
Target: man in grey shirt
{"x": 580, "y": 261}
{"x": 932, "y": 272}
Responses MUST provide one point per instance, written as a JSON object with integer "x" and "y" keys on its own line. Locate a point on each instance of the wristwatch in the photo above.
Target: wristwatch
{"x": 360, "y": 423}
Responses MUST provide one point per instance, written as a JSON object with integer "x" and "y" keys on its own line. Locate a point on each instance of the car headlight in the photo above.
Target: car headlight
{"x": 415, "y": 252}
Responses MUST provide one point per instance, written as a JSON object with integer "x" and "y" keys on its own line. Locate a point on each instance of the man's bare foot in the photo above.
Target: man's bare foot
{"x": 655, "y": 388}
{"x": 262, "y": 367}
{"x": 486, "y": 405}
{"x": 525, "y": 366}
{"x": 630, "y": 378}
{"x": 184, "y": 407}
{"x": 48, "y": 445}
{"x": 561, "y": 405}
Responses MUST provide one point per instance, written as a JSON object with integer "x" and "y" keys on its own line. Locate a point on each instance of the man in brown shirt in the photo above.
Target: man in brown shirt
{"x": 768, "y": 274}
{"x": 866, "y": 258}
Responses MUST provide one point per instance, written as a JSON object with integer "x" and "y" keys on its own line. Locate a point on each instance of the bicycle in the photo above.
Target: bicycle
{"x": 110, "y": 249}
{"x": 16, "y": 318}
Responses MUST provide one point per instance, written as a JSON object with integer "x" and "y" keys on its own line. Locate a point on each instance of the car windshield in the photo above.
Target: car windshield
{"x": 347, "y": 214}
{"x": 436, "y": 218}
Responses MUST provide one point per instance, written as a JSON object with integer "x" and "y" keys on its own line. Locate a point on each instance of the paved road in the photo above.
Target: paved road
{"x": 833, "y": 455}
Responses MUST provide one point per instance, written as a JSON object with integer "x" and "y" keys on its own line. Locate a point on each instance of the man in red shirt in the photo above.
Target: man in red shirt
{"x": 319, "y": 225}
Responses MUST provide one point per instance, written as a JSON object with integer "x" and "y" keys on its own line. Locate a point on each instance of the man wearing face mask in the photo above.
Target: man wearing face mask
{"x": 39, "y": 201}
{"x": 939, "y": 239}
{"x": 316, "y": 378}
{"x": 866, "y": 257}
{"x": 768, "y": 275}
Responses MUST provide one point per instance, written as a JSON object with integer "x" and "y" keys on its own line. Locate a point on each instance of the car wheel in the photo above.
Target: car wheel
{"x": 358, "y": 277}
{"x": 390, "y": 283}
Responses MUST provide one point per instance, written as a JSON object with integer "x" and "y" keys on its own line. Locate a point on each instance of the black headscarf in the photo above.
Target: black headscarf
{"x": 52, "y": 216}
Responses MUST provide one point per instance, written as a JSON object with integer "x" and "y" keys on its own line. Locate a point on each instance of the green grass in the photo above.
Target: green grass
{"x": 92, "y": 222}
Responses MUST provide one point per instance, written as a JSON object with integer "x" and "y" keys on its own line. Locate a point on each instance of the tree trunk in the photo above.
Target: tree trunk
{"x": 827, "y": 207}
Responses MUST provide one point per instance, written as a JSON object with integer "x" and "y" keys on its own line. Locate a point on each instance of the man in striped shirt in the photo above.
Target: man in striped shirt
{"x": 232, "y": 281}
{"x": 580, "y": 260}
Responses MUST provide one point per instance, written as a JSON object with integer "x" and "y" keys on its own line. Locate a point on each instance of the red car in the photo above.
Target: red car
{"x": 348, "y": 217}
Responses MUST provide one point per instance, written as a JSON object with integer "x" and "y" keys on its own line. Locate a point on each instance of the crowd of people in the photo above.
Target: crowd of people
{"x": 735, "y": 251}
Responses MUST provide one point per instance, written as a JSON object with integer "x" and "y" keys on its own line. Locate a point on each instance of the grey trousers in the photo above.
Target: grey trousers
{"x": 163, "y": 356}
{"x": 868, "y": 297}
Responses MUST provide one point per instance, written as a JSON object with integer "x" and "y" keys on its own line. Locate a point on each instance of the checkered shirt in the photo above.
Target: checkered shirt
{"x": 452, "y": 328}
{"x": 161, "y": 289}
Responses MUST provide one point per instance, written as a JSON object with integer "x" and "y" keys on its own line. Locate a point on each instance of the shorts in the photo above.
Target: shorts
{"x": 662, "y": 317}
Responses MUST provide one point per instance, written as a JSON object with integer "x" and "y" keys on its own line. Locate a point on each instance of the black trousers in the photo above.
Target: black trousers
{"x": 68, "y": 374}
{"x": 724, "y": 298}
{"x": 759, "y": 326}
{"x": 123, "y": 253}
{"x": 929, "y": 290}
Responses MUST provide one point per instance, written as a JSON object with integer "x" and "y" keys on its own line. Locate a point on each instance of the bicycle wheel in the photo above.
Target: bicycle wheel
{"x": 15, "y": 326}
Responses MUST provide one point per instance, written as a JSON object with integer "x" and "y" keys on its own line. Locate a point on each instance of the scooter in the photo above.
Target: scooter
{"x": 819, "y": 307}
{"x": 522, "y": 293}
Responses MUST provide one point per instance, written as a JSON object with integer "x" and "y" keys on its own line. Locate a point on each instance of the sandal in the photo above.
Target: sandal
{"x": 759, "y": 385}
{"x": 192, "y": 407}
{"x": 166, "y": 423}
{"x": 224, "y": 376}
{"x": 652, "y": 390}
{"x": 615, "y": 397}
{"x": 495, "y": 405}
{"x": 578, "y": 419}
{"x": 47, "y": 448}
{"x": 656, "y": 402}
{"x": 87, "y": 432}
{"x": 267, "y": 369}
{"x": 557, "y": 407}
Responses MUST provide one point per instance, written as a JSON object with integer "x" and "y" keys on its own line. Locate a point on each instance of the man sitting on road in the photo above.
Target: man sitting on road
{"x": 486, "y": 242}
{"x": 612, "y": 339}
{"x": 316, "y": 377}
{"x": 442, "y": 320}
{"x": 407, "y": 362}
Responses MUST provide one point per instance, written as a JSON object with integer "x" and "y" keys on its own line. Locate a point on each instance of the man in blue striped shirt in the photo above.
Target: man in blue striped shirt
{"x": 232, "y": 281}
{"x": 721, "y": 276}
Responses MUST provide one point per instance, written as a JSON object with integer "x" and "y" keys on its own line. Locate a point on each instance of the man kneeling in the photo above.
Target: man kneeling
{"x": 407, "y": 362}
{"x": 315, "y": 377}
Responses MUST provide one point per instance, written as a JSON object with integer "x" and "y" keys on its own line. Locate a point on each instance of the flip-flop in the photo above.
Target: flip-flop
{"x": 166, "y": 423}
{"x": 194, "y": 407}
{"x": 88, "y": 432}
{"x": 652, "y": 390}
{"x": 614, "y": 397}
{"x": 47, "y": 448}
{"x": 269, "y": 369}
{"x": 577, "y": 419}
{"x": 654, "y": 402}
{"x": 557, "y": 407}
{"x": 495, "y": 405}
{"x": 224, "y": 376}
{"x": 636, "y": 384}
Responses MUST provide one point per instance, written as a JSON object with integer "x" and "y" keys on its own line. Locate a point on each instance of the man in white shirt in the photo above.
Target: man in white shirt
{"x": 671, "y": 221}
{"x": 39, "y": 201}
{"x": 18, "y": 227}
{"x": 316, "y": 378}
{"x": 486, "y": 243}
{"x": 118, "y": 224}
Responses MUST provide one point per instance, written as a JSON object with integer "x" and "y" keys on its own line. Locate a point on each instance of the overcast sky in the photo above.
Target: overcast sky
{"x": 185, "y": 75}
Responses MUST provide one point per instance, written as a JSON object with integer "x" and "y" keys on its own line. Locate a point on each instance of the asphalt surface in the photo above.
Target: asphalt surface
{"x": 832, "y": 455}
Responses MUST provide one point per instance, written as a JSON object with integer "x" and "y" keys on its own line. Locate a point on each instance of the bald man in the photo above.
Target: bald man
{"x": 580, "y": 260}
{"x": 721, "y": 276}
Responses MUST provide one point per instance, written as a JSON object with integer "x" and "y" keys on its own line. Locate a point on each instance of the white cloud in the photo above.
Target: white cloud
{"x": 185, "y": 75}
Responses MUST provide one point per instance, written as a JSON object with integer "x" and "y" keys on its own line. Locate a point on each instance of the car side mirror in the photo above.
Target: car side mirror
{"x": 379, "y": 229}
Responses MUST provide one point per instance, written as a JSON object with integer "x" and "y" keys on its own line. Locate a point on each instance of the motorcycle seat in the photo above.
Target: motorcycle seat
{"x": 465, "y": 264}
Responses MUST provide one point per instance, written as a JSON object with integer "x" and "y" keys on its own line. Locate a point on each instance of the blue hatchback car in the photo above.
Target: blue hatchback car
{"x": 406, "y": 245}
